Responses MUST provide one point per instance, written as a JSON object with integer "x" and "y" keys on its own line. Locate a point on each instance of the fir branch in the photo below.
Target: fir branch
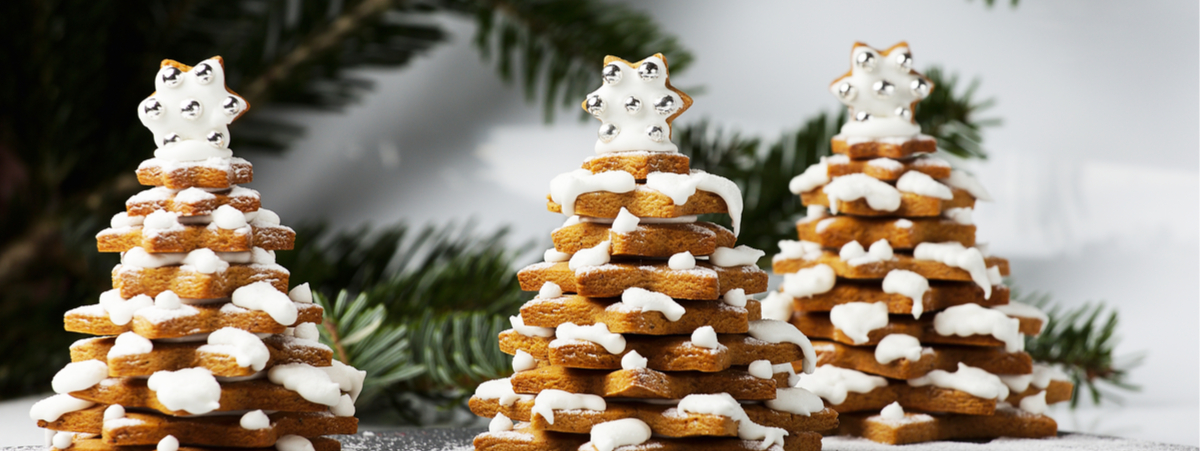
{"x": 1082, "y": 342}
{"x": 952, "y": 115}
{"x": 356, "y": 329}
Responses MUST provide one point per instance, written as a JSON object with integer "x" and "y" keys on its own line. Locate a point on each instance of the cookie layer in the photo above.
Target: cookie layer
{"x": 192, "y": 237}
{"x": 210, "y": 173}
{"x": 703, "y": 282}
{"x": 639, "y": 164}
{"x": 648, "y": 240}
{"x": 622, "y": 319}
{"x": 836, "y": 231}
{"x": 665, "y": 353}
{"x": 866, "y": 149}
{"x": 193, "y": 319}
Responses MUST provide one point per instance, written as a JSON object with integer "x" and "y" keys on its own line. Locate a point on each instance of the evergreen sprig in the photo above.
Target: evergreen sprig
{"x": 358, "y": 331}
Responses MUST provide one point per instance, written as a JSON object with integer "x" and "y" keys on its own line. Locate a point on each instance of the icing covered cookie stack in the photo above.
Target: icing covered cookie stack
{"x": 642, "y": 334}
{"x": 201, "y": 345}
{"x": 919, "y": 340}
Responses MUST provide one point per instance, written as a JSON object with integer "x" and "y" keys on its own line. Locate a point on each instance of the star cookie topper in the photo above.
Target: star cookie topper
{"x": 881, "y": 90}
{"x": 190, "y": 110}
{"x": 636, "y": 105}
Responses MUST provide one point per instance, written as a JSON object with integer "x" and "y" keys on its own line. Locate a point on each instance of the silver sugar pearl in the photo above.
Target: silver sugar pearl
{"x": 633, "y": 104}
{"x": 216, "y": 138}
{"x": 608, "y": 132}
{"x": 203, "y": 73}
{"x": 865, "y": 60}
{"x": 883, "y": 88}
{"x": 846, "y": 92}
{"x": 655, "y": 133}
{"x": 611, "y": 73}
{"x": 595, "y": 105}
{"x": 171, "y": 138}
{"x": 920, "y": 88}
{"x": 903, "y": 112}
{"x": 231, "y": 105}
{"x": 171, "y": 76}
{"x": 665, "y": 105}
{"x": 648, "y": 71}
{"x": 904, "y": 60}
{"x": 151, "y": 108}
{"x": 862, "y": 116}
{"x": 190, "y": 109}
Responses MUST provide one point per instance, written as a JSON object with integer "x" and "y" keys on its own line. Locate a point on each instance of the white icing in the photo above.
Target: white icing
{"x": 293, "y": 443}
{"x": 679, "y": 187}
{"x": 301, "y": 293}
{"x": 548, "y": 401}
{"x": 610, "y": 435}
{"x": 903, "y": 223}
{"x": 796, "y": 401}
{"x": 724, "y": 405}
{"x": 549, "y": 290}
{"x": 885, "y": 121}
{"x": 879, "y": 195}
{"x": 130, "y": 343}
{"x": 227, "y": 217}
{"x": 885, "y": 164}
{"x": 500, "y": 423}
{"x": 1040, "y": 378}
{"x": 735, "y": 297}
{"x": 968, "y": 379}
{"x": 523, "y": 361}
{"x": 348, "y": 378}
{"x": 833, "y": 384}
{"x": 344, "y": 407}
{"x": 682, "y": 261}
{"x": 962, "y": 180}
{"x": 782, "y": 332}
{"x": 919, "y": 183}
{"x": 114, "y": 412}
{"x": 809, "y": 281}
{"x": 1035, "y": 404}
{"x": 168, "y": 443}
{"x": 167, "y": 300}
{"x": 633, "y": 125}
{"x": 676, "y": 220}
{"x": 518, "y": 324}
{"x": 814, "y": 213}
{"x": 962, "y": 216}
{"x": 705, "y": 337}
{"x": 314, "y": 384}
{"x": 1018, "y": 309}
{"x": 626, "y": 222}
{"x": 594, "y": 256}
{"x": 649, "y": 301}
{"x": 597, "y": 333}
{"x": 798, "y": 250}
{"x": 192, "y": 131}
{"x": 264, "y": 217}
{"x": 854, "y": 254}
{"x": 777, "y": 306}
{"x": 892, "y": 412}
{"x": 633, "y": 361}
{"x": 307, "y": 331}
{"x": 909, "y": 284}
{"x": 246, "y": 348}
{"x": 501, "y": 390}
{"x": 971, "y": 319}
{"x": 193, "y": 390}
{"x": 738, "y": 256}
{"x": 120, "y": 311}
{"x": 204, "y": 261}
{"x": 566, "y": 187}
{"x": 122, "y": 219}
{"x": 196, "y": 195}
{"x": 263, "y": 296}
{"x": 954, "y": 254}
{"x": 994, "y": 276}
{"x": 63, "y": 440}
{"x": 812, "y": 177}
{"x": 161, "y": 220}
{"x": 79, "y": 376}
{"x": 255, "y": 420}
{"x": 787, "y": 368}
{"x": 897, "y": 346}
{"x": 761, "y": 369}
{"x": 824, "y": 224}
{"x": 552, "y": 255}
{"x": 54, "y": 407}
{"x": 858, "y": 319}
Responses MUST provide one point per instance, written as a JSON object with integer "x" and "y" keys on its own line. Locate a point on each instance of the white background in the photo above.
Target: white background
{"x": 1094, "y": 171}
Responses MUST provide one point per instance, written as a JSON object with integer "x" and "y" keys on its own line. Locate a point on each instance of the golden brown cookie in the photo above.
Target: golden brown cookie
{"x": 911, "y": 205}
{"x": 639, "y": 164}
{"x": 647, "y": 383}
{"x": 622, "y": 319}
{"x": 191, "y": 284}
{"x": 665, "y": 353}
{"x": 704, "y": 282}
{"x": 648, "y": 240}
{"x": 211, "y": 173}
{"x": 93, "y": 319}
{"x": 150, "y": 428}
{"x": 994, "y": 360}
{"x": 861, "y": 150}
{"x": 925, "y": 399}
{"x": 643, "y": 203}
{"x": 524, "y": 437}
{"x": 192, "y": 237}
{"x": 887, "y": 169}
{"x": 835, "y": 231}
{"x": 95, "y": 444}
{"x": 167, "y": 356}
{"x": 1057, "y": 391}
{"x": 818, "y": 325}
{"x": 928, "y": 269}
{"x": 244, "y": 395}
{"x": 154, "y": 199}
{"x": 940, "y": 296}
{"x": 918, "y": 428}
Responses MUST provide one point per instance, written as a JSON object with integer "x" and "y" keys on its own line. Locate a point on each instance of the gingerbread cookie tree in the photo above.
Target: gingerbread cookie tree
{"x": 642, "y": 332}
{"x": 201, "y": 345}
{"x": 918, "y": 338}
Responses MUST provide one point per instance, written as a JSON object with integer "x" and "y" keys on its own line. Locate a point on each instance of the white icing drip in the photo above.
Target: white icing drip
{"x": 130, "y": 343}
{"x": 682, "y": 261}
{"x": 962, "y": 180}
{"x": 809, "y": 281}
{"x": 161, "y": 220}
{"x": 798, "y": 250}
{"x": 909, "y": 284}
{"x": 954, "y": 254}
{"x": 903, "y": 223}
{"x": 968, "y": 379}
{"x": 114, "y": 412}
{"x": 919, "y": 183}
{"x": 255, "y": 420}
{"x": 594, "y": 256}
{"x": 761, "y": 369}
{"x": 879, "y": 195}
{"x": 814, "y": 213}
{"x": 812, "y": 177}
{"x": 79, "y": 376}
{"x": 633, "y": 361}
{"x": 301, "y": 293}
{"x": 896, "y": 346}
{"x": 885, "y": 164}
{"x": 263, "y": 296}
{"x": 567, "y": 187}
{"x": 834, "y": 384}
{"x": 168, "y": 443}
{"x": 246, "y": 348}
{"x": 677, "y": 220}
{"x": 994, "y": 276}
{"x": 824, "y": 224}
{"x": 523, "y": 361}
{"x": 263, "y": 217}
{"x": 518, "y": 324}
{"x": 705, "y": 337}
{"x": 501, "y": 390}
{"x": 735, "y": 297}
{"x": 626, "y": 222}
{"x": 344, "y": 407}
{"x": 1035, "y": 404}
{"x": 649, "y": 301}
{"x": 314, "y": 384}
{"x": 971, "y": 319}
{"x": 122, "y": 220}
{"x": 1017, "y": 309}
{"x": 610, "y": 435}
{"x": 724, "y": 405}
{"x": 293, "y": 443}
{"x": 858, "y": 319}
{"x": 309, "y": 331}
{"x": 1040, "y": 378}
{"x": 739, "y": 256}
{"x": 777, "y": 306}
{"x": 227, "y": 217}
{"x": 167, "y": 300}
{"x": 120, "y": 311}
{"x": 892, "y": 412}
{"x": 597, "y": 333}
{"x": 54, "y": 407}
{"x": 550, "y": 290}
{"x": 63, "y": 440}
{"x": 633, "y": 125}
{"x": 193, "y": 390}
{"x": 962, "y": 216}
{"x": 795, "y": 400}
{"x": 552, "y": 255}
{"x": 500, "y": 423}
{"x": 191, "y": 196}
{"x": 782, "y": 332}
{"x": 548, "y": 401}
{"x": 679, "y": 187}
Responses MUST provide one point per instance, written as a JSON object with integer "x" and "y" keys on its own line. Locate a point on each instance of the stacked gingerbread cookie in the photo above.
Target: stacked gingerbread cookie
{"x": 642, "y": 333}
{"x": 199, "y": 344}
{"x": 918, "y": 338}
